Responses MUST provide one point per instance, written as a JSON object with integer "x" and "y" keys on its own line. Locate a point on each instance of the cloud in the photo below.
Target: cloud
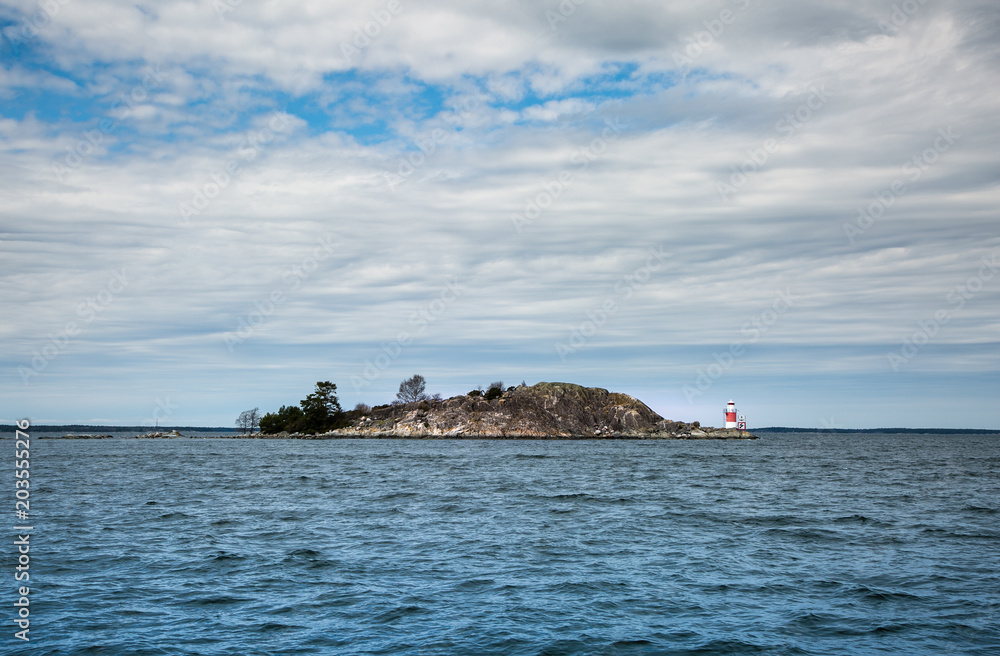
{"x": 746, "y": 165}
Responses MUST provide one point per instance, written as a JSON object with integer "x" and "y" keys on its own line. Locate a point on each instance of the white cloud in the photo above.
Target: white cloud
{"x": 655, "y": 184}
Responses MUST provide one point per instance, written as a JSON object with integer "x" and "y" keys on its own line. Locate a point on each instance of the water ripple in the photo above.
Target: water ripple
{"x": 794, "y": 544}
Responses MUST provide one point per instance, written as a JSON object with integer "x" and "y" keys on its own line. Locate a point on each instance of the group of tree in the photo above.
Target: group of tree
{"x": 320, "y": 411}
{"x": 248, "y": 421}
{"x": 317, "y": 413}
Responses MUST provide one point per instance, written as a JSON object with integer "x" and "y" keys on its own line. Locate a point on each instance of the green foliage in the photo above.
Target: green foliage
{"x": 476, "y": 392}
{"x": 320, "y": 409}
{"x": 317, "y": 413}
{"x": 495, "y": 391}
{"x": 289, "y": 418}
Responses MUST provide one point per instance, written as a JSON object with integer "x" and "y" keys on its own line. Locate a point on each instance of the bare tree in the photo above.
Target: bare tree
{"x": 248, "y": 421}
{"x": 363, "y": 408}
{"x": 411, "y": 390}
{"x": 243, "y": 422}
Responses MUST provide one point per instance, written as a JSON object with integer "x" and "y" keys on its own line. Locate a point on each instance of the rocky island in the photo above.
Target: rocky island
{"x": 541, "y": 411}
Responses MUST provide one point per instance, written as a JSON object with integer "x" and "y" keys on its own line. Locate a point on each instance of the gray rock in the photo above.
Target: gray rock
{"x": 542, "y": 411}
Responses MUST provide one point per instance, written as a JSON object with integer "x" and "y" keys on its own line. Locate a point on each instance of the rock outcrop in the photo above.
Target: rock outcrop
{"x": 542, "y": 411}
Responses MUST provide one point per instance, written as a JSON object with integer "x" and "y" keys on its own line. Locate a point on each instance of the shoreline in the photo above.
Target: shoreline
{"x": 383, "y": 436}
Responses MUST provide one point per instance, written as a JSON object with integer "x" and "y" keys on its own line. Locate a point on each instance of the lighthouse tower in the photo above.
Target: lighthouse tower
{"x": 731, "y": 414}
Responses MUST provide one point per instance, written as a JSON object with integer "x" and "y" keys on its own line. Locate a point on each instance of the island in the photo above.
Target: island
{"x": 540, "y": 411}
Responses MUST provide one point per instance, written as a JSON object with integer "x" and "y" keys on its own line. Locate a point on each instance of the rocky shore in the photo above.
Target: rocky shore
{"x": 144, "y": 436}
{"x": 542, "y": 411}
{"x": 545, "y": 411}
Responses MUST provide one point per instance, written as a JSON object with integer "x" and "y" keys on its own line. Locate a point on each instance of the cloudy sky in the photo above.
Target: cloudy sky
{"x": 209, "y": 206}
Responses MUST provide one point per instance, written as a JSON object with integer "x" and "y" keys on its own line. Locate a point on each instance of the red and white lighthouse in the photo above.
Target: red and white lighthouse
{"x": 731, "y": 414}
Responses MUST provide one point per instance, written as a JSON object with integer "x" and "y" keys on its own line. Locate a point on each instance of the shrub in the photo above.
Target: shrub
{"x": 495, "y": 391}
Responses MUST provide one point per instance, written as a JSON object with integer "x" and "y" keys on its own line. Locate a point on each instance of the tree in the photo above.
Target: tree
{"x": 318, "y": 412}
{"x": 412, "y": 390}
{"x": 320, "y": 409}
{"x": 363, "y": 408}
{"x": 289, "y": 418}
{"x": 242, "y": 421}
{"x": 248, "y": 420}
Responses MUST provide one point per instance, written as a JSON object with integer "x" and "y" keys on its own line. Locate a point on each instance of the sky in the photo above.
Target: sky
{"x": 209, "y": 206}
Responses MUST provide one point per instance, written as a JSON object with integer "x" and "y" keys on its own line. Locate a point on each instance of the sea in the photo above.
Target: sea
{"x": 795, "y": 543}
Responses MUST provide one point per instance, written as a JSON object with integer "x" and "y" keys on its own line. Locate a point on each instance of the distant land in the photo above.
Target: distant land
{"x": 541, "y": 411}
{"x": 74, "y": 428}
{"x": 104, "y": 428}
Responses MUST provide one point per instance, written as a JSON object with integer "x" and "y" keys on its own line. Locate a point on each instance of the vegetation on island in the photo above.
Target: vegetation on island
{"x": 317, "y": 413}
{"x": 248, "y": 421}
{"x": 542, "y": 411}
{"x": 320, "y": 411}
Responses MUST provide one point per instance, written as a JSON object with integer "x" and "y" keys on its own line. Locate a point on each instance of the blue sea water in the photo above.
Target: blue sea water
{"x": 791, "y": 544}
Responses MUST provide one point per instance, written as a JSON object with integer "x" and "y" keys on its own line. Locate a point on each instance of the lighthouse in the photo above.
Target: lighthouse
{"x": 731, "y": 414}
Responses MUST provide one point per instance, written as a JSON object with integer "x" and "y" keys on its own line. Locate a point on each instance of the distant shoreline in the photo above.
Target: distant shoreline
{"x": 357, "y": 436}
{"x": 230, "y": 433}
